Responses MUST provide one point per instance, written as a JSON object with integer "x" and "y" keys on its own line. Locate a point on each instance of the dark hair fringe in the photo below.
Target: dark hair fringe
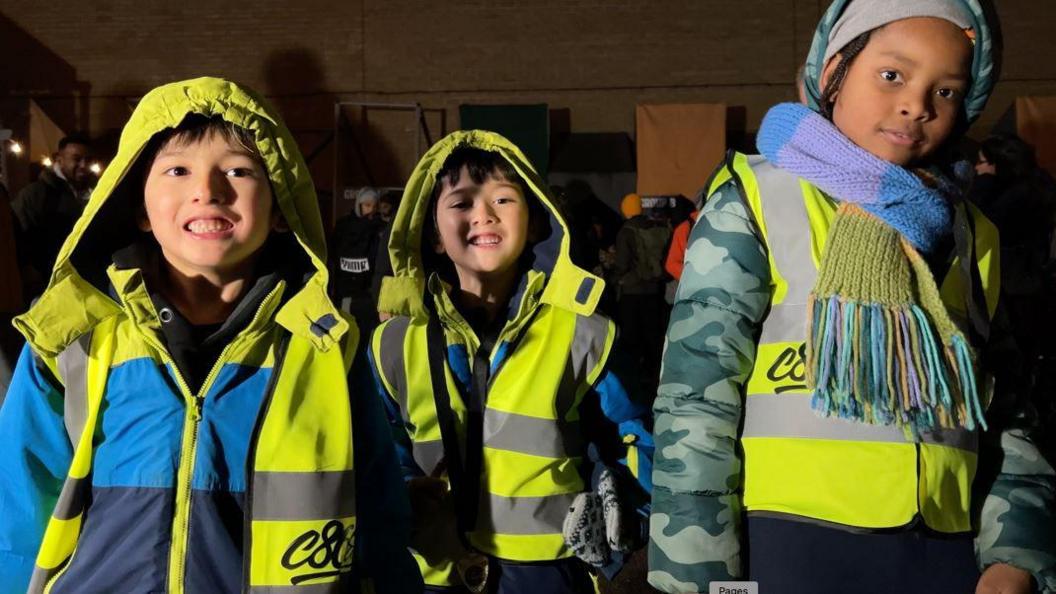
{"x": 196, "y": 127}
{"x": 847, "y": 55}
{"x": 75, "y": 138}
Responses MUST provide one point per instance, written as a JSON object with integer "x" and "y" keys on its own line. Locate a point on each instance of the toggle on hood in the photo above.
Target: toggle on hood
{"x": 567, "y": 286}
{"x": 78, "y": 296}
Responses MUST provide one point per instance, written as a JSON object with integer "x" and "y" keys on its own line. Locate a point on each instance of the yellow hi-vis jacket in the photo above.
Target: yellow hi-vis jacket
{"x": 549, "y": 355}
{"x": 829, "y": 469}
{"x": 247, "y": 485}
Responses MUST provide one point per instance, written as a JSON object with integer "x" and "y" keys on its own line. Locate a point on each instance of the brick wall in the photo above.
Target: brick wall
{"x": 596, "y": 59}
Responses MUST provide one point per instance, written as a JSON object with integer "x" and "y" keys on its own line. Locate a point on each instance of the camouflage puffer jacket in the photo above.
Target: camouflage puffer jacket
{"x": 696, "y": 524}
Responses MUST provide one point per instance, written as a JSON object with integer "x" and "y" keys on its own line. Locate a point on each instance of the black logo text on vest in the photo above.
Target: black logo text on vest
{"x": 327, "y": 552}
{"x": 788, "y": 369}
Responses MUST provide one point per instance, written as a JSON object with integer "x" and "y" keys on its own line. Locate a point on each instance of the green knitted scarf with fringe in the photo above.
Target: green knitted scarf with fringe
{"x": 881, "y": 346}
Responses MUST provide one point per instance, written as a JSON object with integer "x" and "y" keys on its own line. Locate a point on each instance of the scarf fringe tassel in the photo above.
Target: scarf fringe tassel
{"x": 884, "y": 365}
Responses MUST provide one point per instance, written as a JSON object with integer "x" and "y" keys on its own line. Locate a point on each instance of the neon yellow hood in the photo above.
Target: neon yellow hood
{"x": 567, "y": 286}
{"x": 76, "y": 298}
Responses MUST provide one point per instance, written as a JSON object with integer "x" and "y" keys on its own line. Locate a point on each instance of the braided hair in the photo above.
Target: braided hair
{"x": 847, "y": 55}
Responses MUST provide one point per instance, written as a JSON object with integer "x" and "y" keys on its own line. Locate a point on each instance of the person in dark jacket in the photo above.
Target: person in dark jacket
{"x": 641, "y": 248}
{"x": 1020, "y": 198}
{"x": 355, "y": 244}
{"x": 47, "y": 208}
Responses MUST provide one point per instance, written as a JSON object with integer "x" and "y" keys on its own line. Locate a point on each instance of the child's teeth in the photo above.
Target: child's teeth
{"x": 206, "y": 226}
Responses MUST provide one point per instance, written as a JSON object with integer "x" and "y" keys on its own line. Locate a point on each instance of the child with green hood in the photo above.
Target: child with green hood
{"x": 517, "y": 439}
{"x": 827, "y": 419}
{"x": 186, "y": 416}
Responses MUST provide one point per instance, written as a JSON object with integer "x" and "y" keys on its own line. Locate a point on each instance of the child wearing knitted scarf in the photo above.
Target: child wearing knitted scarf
{"x": 891, "y": 344}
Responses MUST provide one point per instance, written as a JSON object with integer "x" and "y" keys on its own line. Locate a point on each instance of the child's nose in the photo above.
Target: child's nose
{"x": 212, "y": 188}
{"x": 916, "y": 105}
{"x": 483, "y": 213}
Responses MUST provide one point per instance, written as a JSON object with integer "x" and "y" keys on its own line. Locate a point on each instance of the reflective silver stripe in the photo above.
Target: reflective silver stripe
{"x": 565, "y": 398}
{"x": 531, "y": 435}
{"x": 392, "y": 364}
{"x": 786, "y": 322}
{"x": 954, "y": 438}
{"x": 71, "y": 499}
{"x": 73, "y": 366}
{"x": 790, "y": 415}
{"x": 524, "y": 515}
{"x": 331, "y": 588}
{"x": 428, "y": 455}
{"x": 40, "y": 577}
{"x": 785, "y": 217}
{"x": 585, "y": 352}
{"x": 303, "y": 495}
{"x": 588, "y": 344}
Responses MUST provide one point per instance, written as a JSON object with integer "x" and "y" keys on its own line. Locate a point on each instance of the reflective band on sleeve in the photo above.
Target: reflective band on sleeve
{"x": 39, "y": 580}
{"x": 390, "y": 359}
{"x": 72, "y": 498}
{"x": 73, "y": 366}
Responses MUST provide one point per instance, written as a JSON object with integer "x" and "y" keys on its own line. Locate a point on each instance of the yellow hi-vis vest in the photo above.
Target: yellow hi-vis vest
{"x": 829, "y": 469}
{"x": 532, "y": 439}
{"x": 300, "y": 504}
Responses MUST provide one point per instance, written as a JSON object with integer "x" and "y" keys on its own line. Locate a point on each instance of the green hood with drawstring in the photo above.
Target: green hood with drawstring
{"x": 567, "y": 286}
{"x": 77, "y": 297}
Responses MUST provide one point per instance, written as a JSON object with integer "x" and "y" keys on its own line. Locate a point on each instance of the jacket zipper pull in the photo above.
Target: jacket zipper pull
{"x": 199, "y": 402}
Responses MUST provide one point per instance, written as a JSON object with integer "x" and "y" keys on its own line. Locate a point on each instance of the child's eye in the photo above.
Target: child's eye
{"x": 176, "y": 171}
{"x": 890, "y": 75}
{"x": 505, "y": 199}
{"x": 239, "y": 172}
{"x": 948, "y": 93}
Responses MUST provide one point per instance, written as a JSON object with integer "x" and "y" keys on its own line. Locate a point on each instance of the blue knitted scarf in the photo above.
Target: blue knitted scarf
{"x": 801, "y": 141}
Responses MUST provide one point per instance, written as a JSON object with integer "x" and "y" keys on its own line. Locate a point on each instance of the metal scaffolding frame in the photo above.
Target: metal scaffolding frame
{"x": 421, "y": 129}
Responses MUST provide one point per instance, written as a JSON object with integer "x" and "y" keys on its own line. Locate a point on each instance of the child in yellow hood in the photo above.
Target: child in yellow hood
{"x": 184, "y": 417}
{"x": 496, "y": 372}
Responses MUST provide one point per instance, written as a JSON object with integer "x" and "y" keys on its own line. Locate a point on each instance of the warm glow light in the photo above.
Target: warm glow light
{"x": 16, "y": 148}
{"x": 95, "y": 168}
{"x": 46, "y": 161}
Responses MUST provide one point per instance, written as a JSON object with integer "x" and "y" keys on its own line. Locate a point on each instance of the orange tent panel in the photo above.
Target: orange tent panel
{"x": 679, "y": 145}
{"x": 1036, "y": 124}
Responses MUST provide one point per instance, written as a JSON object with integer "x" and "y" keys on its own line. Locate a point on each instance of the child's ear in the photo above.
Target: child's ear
{"x": 142, "y": 221}
{"x": 826, "y": 74}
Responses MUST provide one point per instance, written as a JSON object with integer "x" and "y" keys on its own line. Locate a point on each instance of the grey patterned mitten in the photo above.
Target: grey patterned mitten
{"x": 610, "y": 504}
{"x": 584, "y": 530}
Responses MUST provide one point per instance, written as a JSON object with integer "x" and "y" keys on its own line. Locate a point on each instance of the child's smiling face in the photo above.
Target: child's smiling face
{"x": 209, "y": 205}
{"x": 903, "y": 93}
{"x": 483, "y": 228}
